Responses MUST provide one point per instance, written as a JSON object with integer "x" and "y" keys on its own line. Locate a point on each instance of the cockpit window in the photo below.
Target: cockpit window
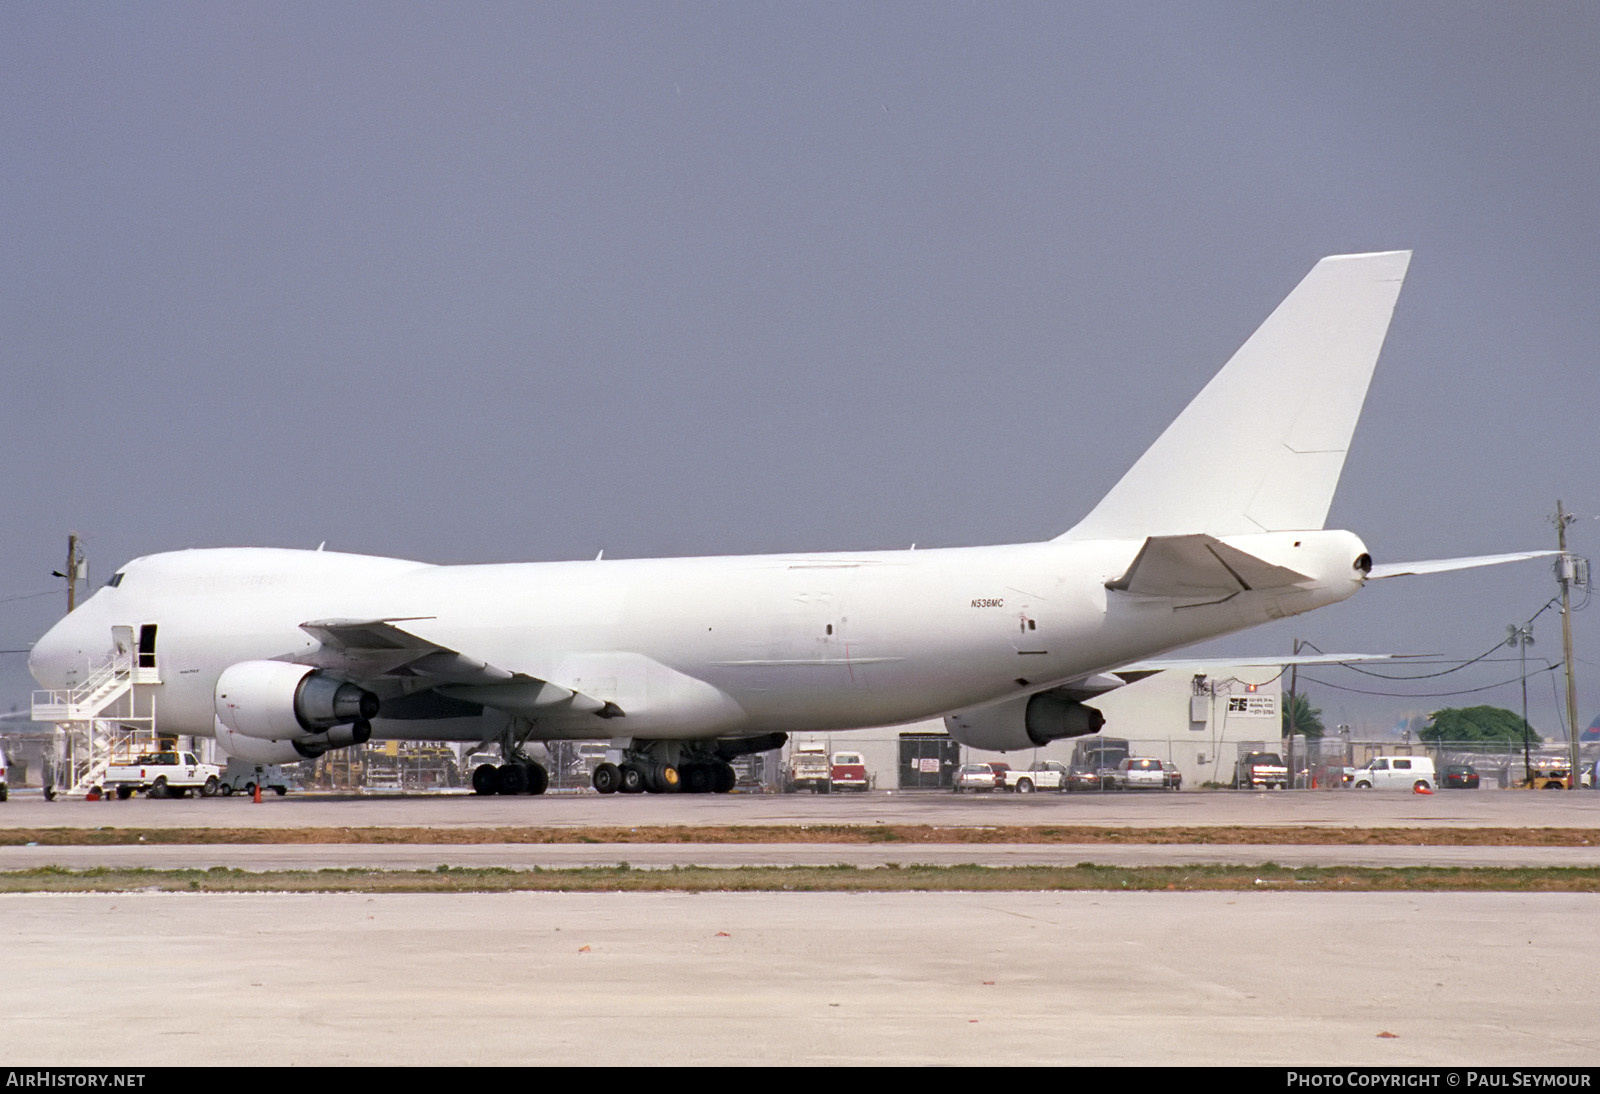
{"x": 116, "y": 579}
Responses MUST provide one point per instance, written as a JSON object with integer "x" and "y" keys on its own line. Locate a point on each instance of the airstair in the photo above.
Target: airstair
{"x": 110, "y": 715}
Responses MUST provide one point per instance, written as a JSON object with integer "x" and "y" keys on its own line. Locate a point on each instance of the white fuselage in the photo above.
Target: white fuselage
{"x": 694, "y": 647}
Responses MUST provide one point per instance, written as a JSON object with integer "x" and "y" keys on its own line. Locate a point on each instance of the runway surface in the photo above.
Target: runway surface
{"x": 1453, "y": 809}
{"x": 801, "y": 978}
{"x": 818, "y": 979}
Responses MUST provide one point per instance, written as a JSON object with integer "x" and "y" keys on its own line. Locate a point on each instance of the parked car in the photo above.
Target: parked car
{"x": 976, "y": 777}
{"x": 1139, "y": 773}
{"x": 1459, "y": 777}
{"x": 849, "y": 771}
{"x": 1082, "y": 777}
{"x": 1394, "y": 773}
{"x": 1174, "y": 776}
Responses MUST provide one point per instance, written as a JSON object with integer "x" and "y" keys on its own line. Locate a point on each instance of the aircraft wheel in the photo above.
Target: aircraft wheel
{"x": 726, "y": 778}
{"x": 698, "y": 778}
{"x": 664, "y": 779}
{"x": 632, "y": 779}
{"x": 607, "y": 778}
{"x": 512, "y": 778}
{"x": 538, "y": 779}
{"x": 484, "y": 778}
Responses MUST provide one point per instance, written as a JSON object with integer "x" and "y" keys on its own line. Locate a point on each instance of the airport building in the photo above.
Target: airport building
{"x": 1199, "y": 721}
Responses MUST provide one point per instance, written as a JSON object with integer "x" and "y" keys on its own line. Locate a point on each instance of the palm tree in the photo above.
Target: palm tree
{"x": 1299, "y": 713}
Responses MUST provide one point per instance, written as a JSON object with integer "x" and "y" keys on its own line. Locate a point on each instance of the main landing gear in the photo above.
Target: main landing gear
{"x": 516, "y": 777}
{"x": 693, "y": 776}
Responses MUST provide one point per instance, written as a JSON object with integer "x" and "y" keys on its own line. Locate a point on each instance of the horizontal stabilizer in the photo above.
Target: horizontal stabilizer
{"x": 1269, "y": 661}
{"x": 1199, "y": 565}
{"x": 1443, "y": 565}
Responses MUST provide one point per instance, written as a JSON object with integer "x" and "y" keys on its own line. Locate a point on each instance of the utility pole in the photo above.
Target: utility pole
{"x": 1567, "y": 571}
{"x": 76, "y": 569}
{"x": 1522, "y": 638}
{"x": 1294, "y": 710}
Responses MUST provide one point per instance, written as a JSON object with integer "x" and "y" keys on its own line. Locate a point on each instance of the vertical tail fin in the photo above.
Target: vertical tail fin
{"x": 1261, "y": 447}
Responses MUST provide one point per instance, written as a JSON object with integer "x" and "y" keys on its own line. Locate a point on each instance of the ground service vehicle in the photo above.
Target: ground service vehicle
{"x": 240, "y": 777}
{"x": 1394, "y": 773}
{"x": 163, "y": 775}
{"x": 1547, "y": 776}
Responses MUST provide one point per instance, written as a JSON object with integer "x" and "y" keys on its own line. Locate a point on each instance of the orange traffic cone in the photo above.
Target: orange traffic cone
{"x": 1421, "y": 789}
{"x": 258, "y": 794}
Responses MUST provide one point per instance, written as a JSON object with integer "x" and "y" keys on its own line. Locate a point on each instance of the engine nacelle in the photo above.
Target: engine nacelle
{"x": 1028, "y": 721}
{"x": 278, "y": 701}
{"x": 729, "y": 748}
{"x": 255, "y": 750}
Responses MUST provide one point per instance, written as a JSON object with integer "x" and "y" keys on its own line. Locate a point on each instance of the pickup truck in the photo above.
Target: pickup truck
{"x": 1264, "y": 769}
{"x": 163, "y": 775}
{"x": 1044, "y": 775}
{"x": 809, "y": 769}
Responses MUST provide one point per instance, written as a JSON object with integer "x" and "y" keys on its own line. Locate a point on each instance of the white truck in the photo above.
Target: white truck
{"x": 1043, "y": 775}
{"x": 163, "y": 775}
{"x": 810, "y": 769}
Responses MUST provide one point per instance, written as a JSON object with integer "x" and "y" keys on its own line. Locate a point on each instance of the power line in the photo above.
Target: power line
{"x": 30, "y": 596}
{"x": 1430, "y": 694}
{"x": 1445, "y": 672}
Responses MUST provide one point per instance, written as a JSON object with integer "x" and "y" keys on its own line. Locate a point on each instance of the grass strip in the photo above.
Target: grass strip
{"x": 1293, "y": 835}
{"x": 815, "y": 879}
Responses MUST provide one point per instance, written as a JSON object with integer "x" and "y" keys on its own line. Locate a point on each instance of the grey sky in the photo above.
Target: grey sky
{"x": 480, "y": 282}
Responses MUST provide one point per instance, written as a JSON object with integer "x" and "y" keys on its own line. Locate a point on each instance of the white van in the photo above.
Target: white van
{"x": 1394, "y": 773}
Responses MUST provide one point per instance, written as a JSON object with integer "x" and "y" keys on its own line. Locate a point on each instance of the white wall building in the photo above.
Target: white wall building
{"x": 1197, "y": 720}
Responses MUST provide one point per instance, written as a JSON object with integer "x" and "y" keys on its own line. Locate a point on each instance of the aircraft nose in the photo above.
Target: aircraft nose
{"x": 54, "y": 658}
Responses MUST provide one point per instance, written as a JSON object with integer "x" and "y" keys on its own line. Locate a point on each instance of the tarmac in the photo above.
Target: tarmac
{"x": 142, "y": 979}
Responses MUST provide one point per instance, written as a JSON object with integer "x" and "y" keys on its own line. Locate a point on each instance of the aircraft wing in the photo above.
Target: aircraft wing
{"x": 1441, "y": 565}
{"x": 375, "y": 649}
{"x": 1199, "y": 565}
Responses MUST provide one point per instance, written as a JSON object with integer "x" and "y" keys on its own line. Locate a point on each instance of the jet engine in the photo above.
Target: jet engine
{"x": 1028, "y": 721}
{"x": 279, "y": 708}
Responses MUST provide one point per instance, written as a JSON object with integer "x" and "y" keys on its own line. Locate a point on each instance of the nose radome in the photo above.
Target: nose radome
{"x": 57, "y": 654}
